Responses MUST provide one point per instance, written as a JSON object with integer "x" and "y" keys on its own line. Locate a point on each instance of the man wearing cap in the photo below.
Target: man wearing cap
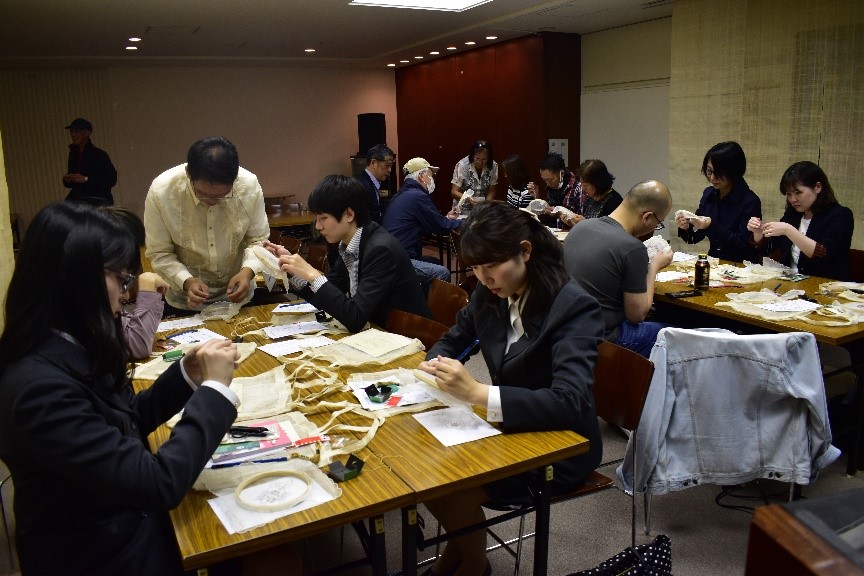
{"x": 412, "y": 213}
{"x": 90, "y": 175}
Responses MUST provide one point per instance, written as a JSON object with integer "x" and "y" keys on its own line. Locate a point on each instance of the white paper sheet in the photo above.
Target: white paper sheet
{"x": 236, "y": 519}
{"x": 796, "y": 305}
{"x": 452, "y": 426}
{"x": 179, "y": 323}
{"x": 376, "y": 343}
{"x": 301, "y": 308}
{"x": 196, "y": 336}
{"x": 292, "y": 346}
{"x": 283, "y": 330}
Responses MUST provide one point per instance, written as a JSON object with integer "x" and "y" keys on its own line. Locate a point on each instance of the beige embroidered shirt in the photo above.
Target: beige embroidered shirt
{"x": 187, "y": 238}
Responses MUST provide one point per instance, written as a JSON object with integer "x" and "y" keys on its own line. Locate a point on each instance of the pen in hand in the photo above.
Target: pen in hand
{"x": 468, "y": 350}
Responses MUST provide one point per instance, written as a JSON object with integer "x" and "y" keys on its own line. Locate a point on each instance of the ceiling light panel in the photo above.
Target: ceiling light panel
{"x": 442, "y": 5}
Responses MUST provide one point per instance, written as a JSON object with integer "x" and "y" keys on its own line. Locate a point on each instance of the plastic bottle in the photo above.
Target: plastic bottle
{"x": 703, "y": 273}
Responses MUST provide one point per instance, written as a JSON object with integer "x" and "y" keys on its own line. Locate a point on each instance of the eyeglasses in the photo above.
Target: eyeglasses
{"x": 660, "y": 224}
{"x": 709, "y": 173}
{"x": 217, "y": 198}
{"x": 124, "y": 279}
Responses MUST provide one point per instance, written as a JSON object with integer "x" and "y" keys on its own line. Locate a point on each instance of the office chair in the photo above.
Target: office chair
{"x": 445, "y": 301}
{"x": 414, "y": 326}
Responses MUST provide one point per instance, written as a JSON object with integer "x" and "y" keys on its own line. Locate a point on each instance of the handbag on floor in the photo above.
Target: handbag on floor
{"x": 653, "y": 559}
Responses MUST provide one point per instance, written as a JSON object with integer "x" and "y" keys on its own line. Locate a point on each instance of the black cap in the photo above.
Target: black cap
{"x": 80, "y": 124}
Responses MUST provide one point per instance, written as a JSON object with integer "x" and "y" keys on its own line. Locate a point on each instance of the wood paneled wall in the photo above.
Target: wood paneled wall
{"x": 516, "y": 95}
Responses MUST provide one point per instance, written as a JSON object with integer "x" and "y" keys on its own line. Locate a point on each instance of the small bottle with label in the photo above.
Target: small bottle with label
{"x": 703, "y": 273}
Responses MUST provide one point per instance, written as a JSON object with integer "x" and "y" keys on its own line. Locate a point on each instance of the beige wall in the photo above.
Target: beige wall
{"x": 292, "y": 126}
{"x": 784, "y": 79}
{"x": 625, "y": 101}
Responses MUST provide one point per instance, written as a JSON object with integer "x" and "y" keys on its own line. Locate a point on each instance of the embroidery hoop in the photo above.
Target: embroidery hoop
{"x": 276, "y": 506}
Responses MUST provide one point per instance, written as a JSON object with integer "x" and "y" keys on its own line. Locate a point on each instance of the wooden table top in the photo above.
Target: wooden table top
{"x": 405, "y": 465}
{"x": 444, "y": 470}
{"x": 835, "y": 335}
{"x": 284, "y": 219}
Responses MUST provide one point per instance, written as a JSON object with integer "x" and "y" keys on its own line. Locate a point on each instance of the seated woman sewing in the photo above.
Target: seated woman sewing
{"x": 538, "y": 331}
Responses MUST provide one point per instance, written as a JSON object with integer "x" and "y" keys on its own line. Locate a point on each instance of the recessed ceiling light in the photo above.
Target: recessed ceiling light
{"x": 404, "y": 61}
{"x": 491, "y": 37}
{"x": 309, "y": 50}
{"x": 444, "y": 5}
{"x": 469, "y": 43}
{"x": 434, "y": 53}
{"x": 131, "y": 47}
{"x": 134, "y": 39}
{"x": 418, "y": 57}
{"x": 391, "y": 65}
{"x": 451, "y": 48}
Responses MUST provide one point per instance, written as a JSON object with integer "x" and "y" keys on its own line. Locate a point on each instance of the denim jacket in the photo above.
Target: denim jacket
{"x": 726, "y": 409}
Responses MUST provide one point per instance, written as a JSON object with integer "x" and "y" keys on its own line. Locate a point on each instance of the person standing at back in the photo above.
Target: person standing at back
{"x": 379, "y": 161}
{"x": 90, "y": 175}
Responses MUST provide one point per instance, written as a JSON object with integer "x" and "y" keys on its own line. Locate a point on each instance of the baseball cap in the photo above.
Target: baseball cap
{"x": 80, "y": 124}
{"x": 416, "y": 164}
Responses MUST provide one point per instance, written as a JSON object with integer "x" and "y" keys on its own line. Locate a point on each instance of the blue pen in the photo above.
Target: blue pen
{"x": 181, "y": 333}
{"x": 468, "y": 350}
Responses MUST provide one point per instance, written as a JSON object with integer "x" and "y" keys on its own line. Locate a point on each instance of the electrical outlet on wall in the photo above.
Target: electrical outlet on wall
{"x": 559, "y": 145}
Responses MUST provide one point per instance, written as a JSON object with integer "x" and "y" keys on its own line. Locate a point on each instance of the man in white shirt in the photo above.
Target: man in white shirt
{"x": 202, "y": 219}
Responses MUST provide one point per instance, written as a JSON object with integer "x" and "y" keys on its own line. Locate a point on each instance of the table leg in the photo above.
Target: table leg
{"x": 378, "y": 548}
{"x": 541, "y": 519}
{"x": 409, "y": 541}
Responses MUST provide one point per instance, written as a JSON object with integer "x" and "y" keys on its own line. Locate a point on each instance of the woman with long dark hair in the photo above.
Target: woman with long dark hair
{"x": 90, "y": 497}
{"x": 538, "y": 332}
{"x": 815, "y": 233}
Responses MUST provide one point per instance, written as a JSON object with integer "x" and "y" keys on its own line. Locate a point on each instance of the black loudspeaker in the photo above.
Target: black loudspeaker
{"x": 371, "y": 130}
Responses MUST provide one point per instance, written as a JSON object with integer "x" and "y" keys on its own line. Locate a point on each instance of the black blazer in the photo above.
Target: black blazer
{"x": 831, "y": 227}
{"x": 386, "y": 280}
{"x": 374, "y": 198}
{"x": 547, "y": 376}
{"x": 90, "y": 497}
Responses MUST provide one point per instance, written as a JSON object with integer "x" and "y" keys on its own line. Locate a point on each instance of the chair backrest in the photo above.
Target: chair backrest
{"x": 275, "y": 235}
{"x": 445, "y": 301}
{"x": 414, "y": 326}
{"x": 621, "y": 381}
{"x": 292, "y": 244}
{"x": 856, "y": 265}
{"x": 317, "y": 256}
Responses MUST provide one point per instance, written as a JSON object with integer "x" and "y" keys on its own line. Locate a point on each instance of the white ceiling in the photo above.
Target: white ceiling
{"x": 95, "y": 32}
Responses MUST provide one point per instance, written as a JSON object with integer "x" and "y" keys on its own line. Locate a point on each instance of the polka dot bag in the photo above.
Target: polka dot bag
{"x": 654, "y": 559}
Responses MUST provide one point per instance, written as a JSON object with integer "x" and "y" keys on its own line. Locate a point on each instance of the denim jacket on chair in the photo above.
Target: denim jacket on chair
{"x": 726, "y": 409}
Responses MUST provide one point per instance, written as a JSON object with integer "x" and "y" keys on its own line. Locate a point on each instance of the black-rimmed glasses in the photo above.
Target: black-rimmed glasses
{"x": 660, "y": 224}
{"x": 125, "y": 280}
